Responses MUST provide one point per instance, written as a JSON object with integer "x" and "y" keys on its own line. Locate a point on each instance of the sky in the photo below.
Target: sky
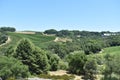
{"x": 40, "y": 15}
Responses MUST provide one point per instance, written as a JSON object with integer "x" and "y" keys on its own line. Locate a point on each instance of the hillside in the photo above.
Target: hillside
{"x": 39, "y": 40}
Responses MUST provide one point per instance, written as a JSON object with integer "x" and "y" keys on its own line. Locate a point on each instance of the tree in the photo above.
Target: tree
{"x": 59, "y": 49}
{"x": 90, "y": 69}
{"x": 91, "y": 46}
{"x": 11, "y": 29}
{"x": 109, "y": 66}
{"x": 41, "y": 61}
{"x": 34, "y": 57}
{"x": 53, "y": 61}
{"x": 64, "y": 33}
{"x": 11, "y": 67}
{"x": 76, "y": 62}
{"x": 112, "y": 66}
{"x": 50, "y": 31}
{"x": 3, "y": 38}
{"x": 113, "y": 40}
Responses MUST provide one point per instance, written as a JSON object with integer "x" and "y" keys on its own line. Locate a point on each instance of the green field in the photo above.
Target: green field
{"x": 111, "y": 50}
{"x": 37, "y": 39}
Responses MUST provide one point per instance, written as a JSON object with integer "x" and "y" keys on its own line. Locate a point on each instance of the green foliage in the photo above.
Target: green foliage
{"x": 9, "y": 51}
{"x": 11, "y": 29}
{"x": 55, "y": 77}
{"x": 91, "y": 46}
{"x": 76, "y": 62}
{"x": 35, "y": 58}
{"x": 112, "y": 66}
{"x": 63, "y": 65}
{"x": 58, "y": 48}
{"x": 91, "y": 69}
{"x": 113, "y": 40}
{"x": 50, "y": 31}
{"x": 10, "y": 67}
{"x": 53, "y": 61}
{"x": 63, "y": 33}
{"x": 3, "y": 38}
{"x": 90, "y": 34}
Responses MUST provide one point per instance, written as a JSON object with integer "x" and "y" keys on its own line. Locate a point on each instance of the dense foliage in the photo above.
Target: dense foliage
{"x": 53, "y": 61}
{"x": 83, "y": 55}
{"x": 11, "y": 67}
{"x": 10, "y": 29}
{"x": 76, "y": 62}
{"x": 35, "y": 58}
{"x": 50, "y": 31}
{"x": 112, "y": 67}
{"x": 3, "y": 38}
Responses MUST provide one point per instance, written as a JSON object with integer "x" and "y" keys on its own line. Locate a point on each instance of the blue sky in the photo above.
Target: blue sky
{"x": 40, "y": 15}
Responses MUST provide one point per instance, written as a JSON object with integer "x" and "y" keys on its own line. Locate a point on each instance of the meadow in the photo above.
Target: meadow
{"x": 111, "y": 50}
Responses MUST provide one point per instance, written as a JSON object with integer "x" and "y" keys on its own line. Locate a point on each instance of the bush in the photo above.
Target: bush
{"x": 76, "y": 62}
{"x": 53, "y": 61}
{"x": 63, "y": 65}
{"x": 90, "y": 69}
{"x": 10, "y": 67}
{"x": 31, "y": 56}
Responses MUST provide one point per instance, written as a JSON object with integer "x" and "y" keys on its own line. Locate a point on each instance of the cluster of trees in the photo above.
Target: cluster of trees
{"x": 92, "y": 66}
{"x": 89, "y": 42}
{"x": 64, "y": 33}
{"x": 112, "y": 67}
{"x": 31, "y": 59}
{"x": 81, "y": 64}
{"x": 10, "y": 29}
{"x": 63, "y": 49}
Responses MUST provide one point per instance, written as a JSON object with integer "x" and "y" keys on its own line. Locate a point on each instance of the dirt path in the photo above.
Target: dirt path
{"x": 63, "y": 72}
{"x": 8, "y": 41}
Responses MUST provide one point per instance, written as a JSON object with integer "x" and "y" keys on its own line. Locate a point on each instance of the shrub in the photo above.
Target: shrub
{"x": 76, "y": 62}
{"x": 10, "y": 67}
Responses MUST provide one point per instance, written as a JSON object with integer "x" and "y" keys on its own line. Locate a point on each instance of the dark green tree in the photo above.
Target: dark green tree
{"x": 11, "y": 29}
{"x": 76, "y": 62}
{"x": 50, "y": 31}
{"x": 90, "y": 69}
{"x": 34, "y": 57}
{"x": 53, "y": 61}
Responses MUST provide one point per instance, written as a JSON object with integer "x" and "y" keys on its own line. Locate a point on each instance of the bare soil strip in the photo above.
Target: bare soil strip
{"x": 63, "y": 72}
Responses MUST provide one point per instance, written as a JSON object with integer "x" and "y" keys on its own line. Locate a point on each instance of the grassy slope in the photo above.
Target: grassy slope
{"x": 37, "y": 39}
{"x": 112, "y": 50}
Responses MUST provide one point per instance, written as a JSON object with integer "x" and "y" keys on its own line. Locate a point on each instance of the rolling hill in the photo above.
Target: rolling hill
{"x": 39, "y": 40}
